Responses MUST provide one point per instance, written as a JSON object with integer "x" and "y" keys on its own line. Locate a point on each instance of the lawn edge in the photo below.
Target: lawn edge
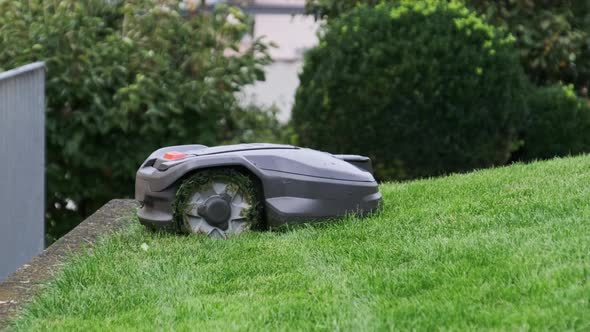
{"x": 20, "y": 287}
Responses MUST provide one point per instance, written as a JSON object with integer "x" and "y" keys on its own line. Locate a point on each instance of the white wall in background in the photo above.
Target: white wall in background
{"x": 279, "y": 88}
{"x": 293, "y": 34}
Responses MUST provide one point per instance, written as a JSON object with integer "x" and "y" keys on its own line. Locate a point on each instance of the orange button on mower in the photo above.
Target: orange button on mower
{"x": 175, "y": 155}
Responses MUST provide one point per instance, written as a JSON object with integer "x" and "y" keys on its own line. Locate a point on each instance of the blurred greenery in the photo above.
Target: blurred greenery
{"x": 553, "y": 37}
{"x": 127, "y": 77}
{"x": 328, "y": 9}
{"x": 558, "y": 124}
{"x": 423, "y": 88}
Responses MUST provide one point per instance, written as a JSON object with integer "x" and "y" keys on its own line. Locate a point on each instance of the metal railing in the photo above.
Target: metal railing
{"x": 22, "y": 175}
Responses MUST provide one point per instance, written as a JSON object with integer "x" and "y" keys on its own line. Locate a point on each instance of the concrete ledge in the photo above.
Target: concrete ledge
{"x": 20, "y": 286}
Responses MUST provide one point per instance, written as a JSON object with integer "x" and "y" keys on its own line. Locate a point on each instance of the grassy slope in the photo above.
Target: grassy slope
{"x": 501, "y": 249}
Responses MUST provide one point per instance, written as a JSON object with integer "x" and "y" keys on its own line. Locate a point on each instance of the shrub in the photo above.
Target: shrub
{"x": 424, "y": 88}
{"x": 553, "y": 37}
{"x": 558, "y": 125}
{"x": 333, "y": 8}
{"x": 124, "y": 78}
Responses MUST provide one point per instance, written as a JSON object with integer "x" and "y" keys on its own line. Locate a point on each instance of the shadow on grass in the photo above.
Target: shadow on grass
{"x": 287, "y": 228}
{"x": 324, "y": 223}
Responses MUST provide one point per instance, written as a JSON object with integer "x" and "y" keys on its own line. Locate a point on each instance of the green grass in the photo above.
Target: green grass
{"x": 502, "y": 249}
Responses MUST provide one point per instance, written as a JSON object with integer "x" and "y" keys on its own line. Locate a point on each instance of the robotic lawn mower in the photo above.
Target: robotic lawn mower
{"x": 227, "y": 189}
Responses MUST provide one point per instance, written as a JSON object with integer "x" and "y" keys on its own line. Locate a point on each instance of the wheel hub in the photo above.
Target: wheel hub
{"x": 216, "y": 210}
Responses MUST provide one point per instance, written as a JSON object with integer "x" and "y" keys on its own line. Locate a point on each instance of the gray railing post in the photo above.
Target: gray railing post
{"x": 22, "y": 174}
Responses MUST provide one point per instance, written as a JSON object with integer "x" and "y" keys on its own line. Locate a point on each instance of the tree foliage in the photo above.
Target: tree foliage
{"x": 334, "y": 8}
{"x": 424, "y": 88}
{"x": 558, "y": 125}
{"x": 553, "y": 37}
{"x": 124, "y": 78}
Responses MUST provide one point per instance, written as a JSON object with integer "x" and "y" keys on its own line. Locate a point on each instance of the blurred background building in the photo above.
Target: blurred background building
{"x": 283, "y": 23}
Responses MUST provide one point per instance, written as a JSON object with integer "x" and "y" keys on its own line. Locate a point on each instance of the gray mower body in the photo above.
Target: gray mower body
{"x": 298, "y": 184}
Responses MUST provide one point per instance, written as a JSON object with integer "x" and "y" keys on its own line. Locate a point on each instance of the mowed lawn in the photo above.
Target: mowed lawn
{"x": 502, "y": 249}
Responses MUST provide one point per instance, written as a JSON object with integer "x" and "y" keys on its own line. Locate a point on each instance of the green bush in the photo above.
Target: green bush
{"x": 424, "y": 88}
{"x": 124, "y": 78}
{"x": 328, "y": 9}
{"x": 558, "y": 125}
{"x": 553, "y": 37}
